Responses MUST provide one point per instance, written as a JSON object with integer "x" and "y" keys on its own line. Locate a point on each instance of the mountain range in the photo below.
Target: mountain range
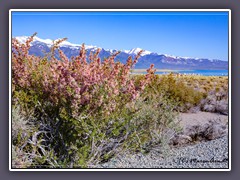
{"x": 161, "y": 61}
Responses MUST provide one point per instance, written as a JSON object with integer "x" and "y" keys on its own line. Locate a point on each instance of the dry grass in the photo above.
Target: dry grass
{"x": 187, "y": 89}
{"x": 215, "y": 89}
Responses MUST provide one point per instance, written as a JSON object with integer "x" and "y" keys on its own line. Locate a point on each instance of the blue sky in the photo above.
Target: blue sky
{"x": 192, "y": 34}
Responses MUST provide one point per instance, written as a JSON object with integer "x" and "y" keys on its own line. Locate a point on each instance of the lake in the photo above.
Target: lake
{"x": 193, "y": 72}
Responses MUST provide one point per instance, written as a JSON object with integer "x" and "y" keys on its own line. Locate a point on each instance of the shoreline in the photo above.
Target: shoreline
{"x": 215, "y": 73}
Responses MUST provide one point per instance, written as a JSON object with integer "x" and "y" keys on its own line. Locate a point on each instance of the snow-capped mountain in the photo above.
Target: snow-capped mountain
{"x": 49, "y": 42}
{"x": 162, "y": 61}
{"x": 136, "y": 51}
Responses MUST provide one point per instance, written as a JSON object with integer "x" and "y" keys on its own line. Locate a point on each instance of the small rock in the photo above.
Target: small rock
{"x": 180, "y": 139}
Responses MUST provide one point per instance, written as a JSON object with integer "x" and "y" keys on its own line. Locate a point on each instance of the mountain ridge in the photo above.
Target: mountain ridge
{"x": 161, "y": 61}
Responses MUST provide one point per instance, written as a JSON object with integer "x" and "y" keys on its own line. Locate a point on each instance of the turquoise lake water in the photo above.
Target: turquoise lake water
{"x": 199, "y": 72}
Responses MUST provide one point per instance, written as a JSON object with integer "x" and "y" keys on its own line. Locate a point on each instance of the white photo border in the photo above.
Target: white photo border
{"x": 120, "y": 10}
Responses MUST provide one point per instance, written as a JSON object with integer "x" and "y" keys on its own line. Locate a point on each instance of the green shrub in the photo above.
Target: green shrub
{"x": 175, "y": 91}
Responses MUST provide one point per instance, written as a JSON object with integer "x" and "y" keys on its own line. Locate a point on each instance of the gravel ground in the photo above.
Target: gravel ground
{"x": 209, "y": 154}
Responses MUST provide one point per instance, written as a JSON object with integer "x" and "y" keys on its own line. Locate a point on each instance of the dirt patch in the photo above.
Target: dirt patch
{"x": 201, "y": 118}
{"x": 200, "y": 126}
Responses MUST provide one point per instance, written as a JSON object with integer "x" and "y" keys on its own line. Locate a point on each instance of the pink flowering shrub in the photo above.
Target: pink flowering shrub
{"x": 84, "y": 107}
{"x": 76, "y": 83}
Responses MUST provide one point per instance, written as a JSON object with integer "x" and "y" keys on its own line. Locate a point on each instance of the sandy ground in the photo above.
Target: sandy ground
{"x": 200, "y": 118}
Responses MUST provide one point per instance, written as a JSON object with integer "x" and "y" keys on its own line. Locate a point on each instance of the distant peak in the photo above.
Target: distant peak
{"x": 23, "y": 39}
{"x": 180, "y": 57}
{"x": 137, "y": 50}
{"x": 49, "y": 42}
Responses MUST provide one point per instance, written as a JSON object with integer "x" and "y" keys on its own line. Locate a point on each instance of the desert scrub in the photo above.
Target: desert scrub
{"x": 175, "y": 90}
{"x": 21, "y": 130}
{"x": 154, "y": 117}
{"x": 216, "y": 101}
{"x": 215, "y": 93}
{"x": 20, "y": 125}
{"x": 29, "y": 146}
{"x": 85, "y": 110}
{"x": 190, "y": 93}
